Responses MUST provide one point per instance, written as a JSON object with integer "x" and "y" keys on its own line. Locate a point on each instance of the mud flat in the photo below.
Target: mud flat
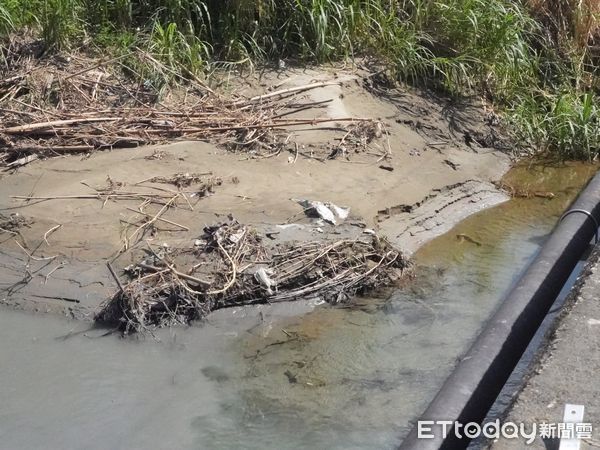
{"x": 433, "y": 165}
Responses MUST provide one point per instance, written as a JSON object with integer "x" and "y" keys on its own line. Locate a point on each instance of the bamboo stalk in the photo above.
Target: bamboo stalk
{"x": 55, "y": 123}
{"x": 294, "y": 89}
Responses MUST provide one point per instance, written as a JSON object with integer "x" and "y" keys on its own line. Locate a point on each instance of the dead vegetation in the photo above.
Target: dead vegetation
{"x": 55, "y": 105}
{"x": 566, "y": 20}
{"x": 230, "y": 266}
{"x": 65, "y": 104}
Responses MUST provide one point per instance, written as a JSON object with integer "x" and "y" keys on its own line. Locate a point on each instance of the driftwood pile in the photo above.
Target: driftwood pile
{"x": 230, "y": 266}
{"x": 56, "y": 105}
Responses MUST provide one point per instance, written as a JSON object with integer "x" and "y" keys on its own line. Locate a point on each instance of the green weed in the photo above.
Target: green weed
{"x": 6, "y": 22}
{"x": 61, "y": 22}
{"x": 566, "y": 125}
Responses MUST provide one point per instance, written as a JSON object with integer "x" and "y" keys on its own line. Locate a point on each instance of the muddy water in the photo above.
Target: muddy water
{"x": 281, "y": 377}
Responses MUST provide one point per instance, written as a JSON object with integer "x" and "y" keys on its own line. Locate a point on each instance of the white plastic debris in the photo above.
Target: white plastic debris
{"x": 326, "y": 211}
{"x": 323, "y": 212}
{"x": 263, "y": 276}
{"x": 235, "y": 238}
{"x": 285, "y": 226}
{"x": 342, "y": 213}
{"x": 369, "y": 231}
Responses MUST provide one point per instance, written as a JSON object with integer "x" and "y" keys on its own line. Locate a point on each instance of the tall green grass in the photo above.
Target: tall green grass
{"x": 457, "y": 42}
{"x": 6, "y": 21}
{"x": 564, "y": 124}
{"x": 493, "y": 48}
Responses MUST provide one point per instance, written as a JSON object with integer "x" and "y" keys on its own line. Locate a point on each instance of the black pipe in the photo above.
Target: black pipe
{"x": 472, "y": 388}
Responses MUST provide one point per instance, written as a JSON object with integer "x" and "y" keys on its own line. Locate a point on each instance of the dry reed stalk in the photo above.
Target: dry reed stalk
{"x": 116, "y": 113}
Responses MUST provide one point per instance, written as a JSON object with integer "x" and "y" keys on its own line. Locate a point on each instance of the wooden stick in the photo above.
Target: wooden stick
{"x": 176, "y": 272}
{"x": 303, "y": 107}
{"x": 160, "y": 218}
{"x": 35, "y": 258}
{"x": 99, "y": 195}
{"x": 306, "y": 87}
{"x": 233, "y": 271}
{"x": 60, "y": 266}
{"x": 53, "y": 148}
{"x": 253, "y": 126}
{"x": 150, "y": 222}
{"x": 114, "y": 274}
{"x": 50, "y": 231}
{"x": 55, "y": 123}
{"x": 81, "y": 72}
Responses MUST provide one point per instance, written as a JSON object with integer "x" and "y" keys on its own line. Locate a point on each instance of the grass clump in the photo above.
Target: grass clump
{"x": 61, "y": 22}
{"x": 481, "y": 43}
{"x": 563, "y": 124}
{"x": 175, "y": 49}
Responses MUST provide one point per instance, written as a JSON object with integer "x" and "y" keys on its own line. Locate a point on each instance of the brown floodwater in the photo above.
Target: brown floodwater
{"x": 284, "y": 376}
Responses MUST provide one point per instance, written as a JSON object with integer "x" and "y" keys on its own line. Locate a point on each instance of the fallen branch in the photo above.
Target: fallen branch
{"x": 35, "y": 258}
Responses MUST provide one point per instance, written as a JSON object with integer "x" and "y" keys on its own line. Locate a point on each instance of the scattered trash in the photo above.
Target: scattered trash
{"x": 236, "y": 237}
{"x": 319, "y": 209}
{"x": 369, "y": 231}
{"x": 388, "y": 168}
